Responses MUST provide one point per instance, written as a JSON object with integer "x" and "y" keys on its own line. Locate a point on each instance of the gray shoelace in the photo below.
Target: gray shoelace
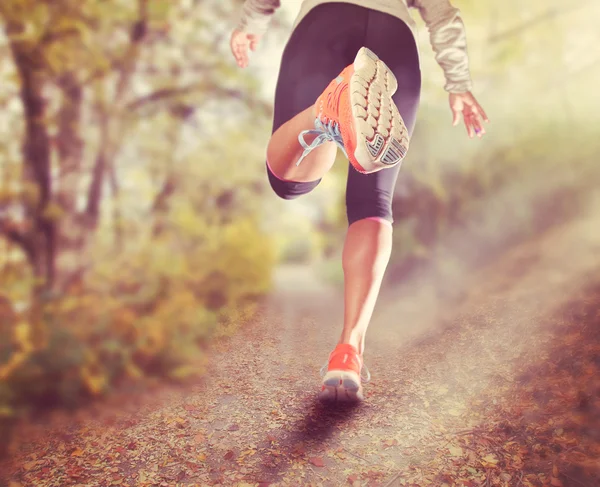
{"x": 326, "y": 132}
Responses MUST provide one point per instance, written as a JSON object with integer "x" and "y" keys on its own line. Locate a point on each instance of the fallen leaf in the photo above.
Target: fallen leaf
{"x": 556, "y": 482}
{"x": 317, "y": 461}
{"x": 455, "y": 451}
{"x": 299, "y": 449}
{"x": 555, "y": 471}
{"x": 77, "y": 453}
{"x": 228, "y": 455}
{"x": 29, "y": 465}
{"x": 234, "y": 427}
{"x": 489, "y": 460}
{"x": 201, "y": 457}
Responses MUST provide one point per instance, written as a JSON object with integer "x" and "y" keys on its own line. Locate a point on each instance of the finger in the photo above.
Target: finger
{"x": 254, "y": 44}
{"x": 235, "y": 49}
{"x": 482, "y": 113}
{"x": 242, "y": 54}
{"x": 469, "y": 125}
{"x": 455, "y": 117}
{"x": 476, "y": 109}
{"x": 479, "y": 130}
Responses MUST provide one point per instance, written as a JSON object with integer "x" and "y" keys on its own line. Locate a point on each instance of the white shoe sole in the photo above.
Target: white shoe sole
{"x": 382, "y": 138}
{"x": 341, "y": 386}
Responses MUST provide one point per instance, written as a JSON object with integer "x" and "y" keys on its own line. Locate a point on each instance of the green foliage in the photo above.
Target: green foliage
{"x": 148, "y": 313}
{"x": 158, "y": 247}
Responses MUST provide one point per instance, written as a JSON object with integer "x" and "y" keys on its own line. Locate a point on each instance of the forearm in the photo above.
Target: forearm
{"x": 449, "y": 42}
{"x": 256, "y": 15}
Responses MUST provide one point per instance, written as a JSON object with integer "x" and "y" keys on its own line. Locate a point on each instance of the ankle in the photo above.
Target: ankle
{"x": 354, "y": 341}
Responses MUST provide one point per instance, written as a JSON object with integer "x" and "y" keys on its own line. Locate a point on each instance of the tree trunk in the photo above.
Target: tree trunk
{"x": 36, "y": 174}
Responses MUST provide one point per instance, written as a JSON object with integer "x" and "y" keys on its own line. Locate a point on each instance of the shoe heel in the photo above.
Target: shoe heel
{"x": 367, "y": 60}
{"x": 369, "y": 53}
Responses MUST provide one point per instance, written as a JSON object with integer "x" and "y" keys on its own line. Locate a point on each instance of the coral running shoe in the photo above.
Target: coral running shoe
{"x": 356, "y": 111}
{"x": 342, "y": 376}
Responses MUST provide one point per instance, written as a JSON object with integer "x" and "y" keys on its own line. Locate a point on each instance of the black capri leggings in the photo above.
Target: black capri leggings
{"x": 326, "y": 41}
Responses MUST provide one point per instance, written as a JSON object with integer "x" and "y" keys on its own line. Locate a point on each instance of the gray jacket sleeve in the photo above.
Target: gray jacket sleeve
{"x": 448, "y": 40}
{"x": 256, "y": 15}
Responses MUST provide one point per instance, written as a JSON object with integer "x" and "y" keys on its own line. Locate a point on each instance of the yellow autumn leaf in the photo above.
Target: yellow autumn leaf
{"x": 490, "y": 459}
{"x": 77, "y": 453}
{"x": 455, "y": 451}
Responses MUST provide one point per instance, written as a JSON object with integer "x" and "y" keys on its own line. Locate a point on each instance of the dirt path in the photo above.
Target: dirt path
{"x": 502, "y": 390}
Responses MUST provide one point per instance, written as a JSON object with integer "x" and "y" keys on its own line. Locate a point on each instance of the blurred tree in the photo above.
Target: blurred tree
{"x": 90, "y": 74}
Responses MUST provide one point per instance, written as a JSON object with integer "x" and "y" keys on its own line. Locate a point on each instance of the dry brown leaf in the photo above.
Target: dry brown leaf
{"x": 77, "y": 453}
{"x": 317, "y": 461}
{"x": 228, "y": 455}
{"x": 556, "y": 482}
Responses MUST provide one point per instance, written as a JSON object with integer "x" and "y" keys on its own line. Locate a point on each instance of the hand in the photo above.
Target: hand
{"x": 240, "y": 42}
{"x": 472, "y": 112}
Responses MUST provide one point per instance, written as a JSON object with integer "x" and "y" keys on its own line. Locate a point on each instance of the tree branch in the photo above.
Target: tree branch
{"x": 165, "y": 94}
{"x": 10, "y": 229}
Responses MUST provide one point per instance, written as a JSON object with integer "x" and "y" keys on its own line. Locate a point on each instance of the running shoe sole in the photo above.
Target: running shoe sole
{"x": 381, "y": 136}
{"x": 341, "y": 386}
